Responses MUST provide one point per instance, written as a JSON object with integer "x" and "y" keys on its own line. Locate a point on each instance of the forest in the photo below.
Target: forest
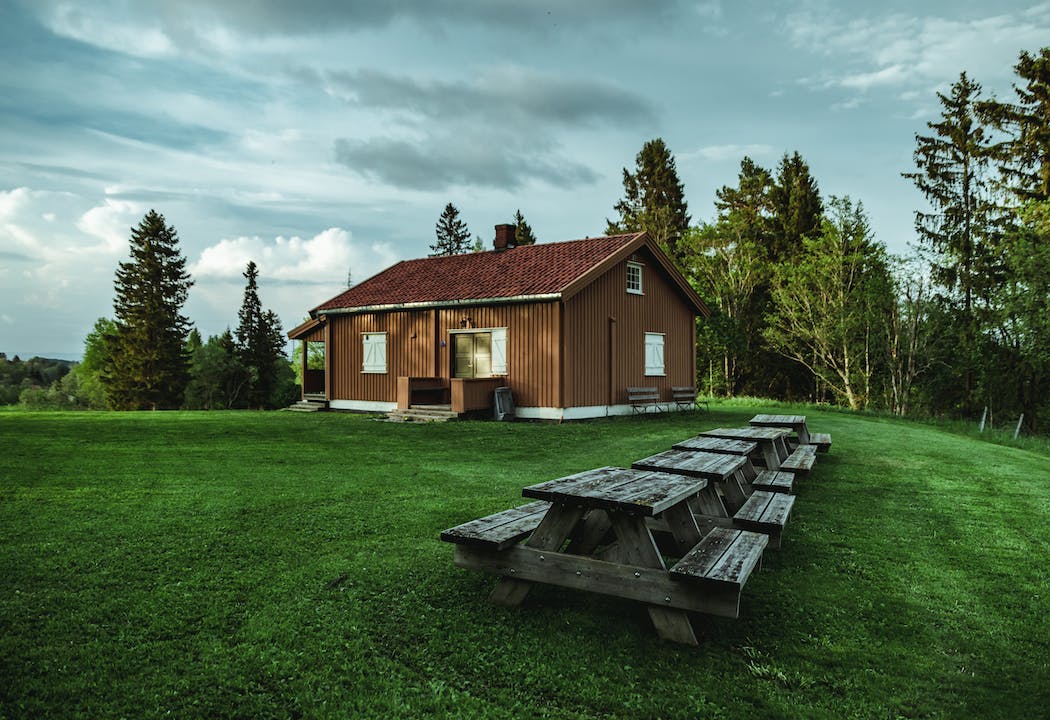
{"x": 808, "y": 305}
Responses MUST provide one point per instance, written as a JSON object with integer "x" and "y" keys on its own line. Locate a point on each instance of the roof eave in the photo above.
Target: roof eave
{"x": 544, "y": 297}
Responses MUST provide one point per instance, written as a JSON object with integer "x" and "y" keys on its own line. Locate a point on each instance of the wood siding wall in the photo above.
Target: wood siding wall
{"x": 604, "y": 337}
{"x": 413, "y": 348}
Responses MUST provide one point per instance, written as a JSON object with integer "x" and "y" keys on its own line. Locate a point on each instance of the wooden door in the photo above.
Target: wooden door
{"x": 472, "y": 355}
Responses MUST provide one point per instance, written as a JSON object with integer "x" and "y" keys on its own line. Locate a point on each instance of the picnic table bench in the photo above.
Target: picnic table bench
{"x": 640, "y": 398}
{"x": 740, "y": 505}
{"x": 602, "y": 516}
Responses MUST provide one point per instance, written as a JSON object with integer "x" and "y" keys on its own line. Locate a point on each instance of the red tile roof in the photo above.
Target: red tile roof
{"x": 520, "y": 271}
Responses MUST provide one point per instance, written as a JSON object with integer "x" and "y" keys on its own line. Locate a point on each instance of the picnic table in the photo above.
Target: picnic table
{"x": 739, "y": 505}
{"x": 796, "y": 423}
{"x": 771, "y": 444}
{"x": 760, "y": 480}
{"x": 591, "y": 531}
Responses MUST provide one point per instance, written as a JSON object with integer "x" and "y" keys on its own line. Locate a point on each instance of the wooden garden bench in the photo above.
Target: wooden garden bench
{"x": 684, "y": 398}
{"x": 641, "y": 398}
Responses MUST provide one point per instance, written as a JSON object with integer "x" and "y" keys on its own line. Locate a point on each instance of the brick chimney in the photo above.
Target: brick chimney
{"x": 504, "y": 237}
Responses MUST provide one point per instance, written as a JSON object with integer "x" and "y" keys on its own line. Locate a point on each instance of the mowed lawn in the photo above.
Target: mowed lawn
{"x": 283, "y": 565}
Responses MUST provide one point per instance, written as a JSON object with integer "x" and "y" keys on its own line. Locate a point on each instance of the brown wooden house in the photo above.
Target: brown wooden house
{"x": 567, "y": 326}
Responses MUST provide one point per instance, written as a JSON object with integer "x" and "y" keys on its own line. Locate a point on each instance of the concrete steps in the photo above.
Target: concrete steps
{"x": 422, "y": 413}
{"x": 308, "y": 406}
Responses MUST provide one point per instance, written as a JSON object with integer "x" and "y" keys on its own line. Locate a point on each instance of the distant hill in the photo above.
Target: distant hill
{"x": 16, "y": 374}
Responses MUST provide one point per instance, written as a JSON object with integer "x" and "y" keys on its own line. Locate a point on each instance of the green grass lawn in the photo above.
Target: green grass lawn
{"x": 189, "y": 564}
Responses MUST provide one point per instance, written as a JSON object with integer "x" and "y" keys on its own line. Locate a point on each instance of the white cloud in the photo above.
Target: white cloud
{"x": 734, "y": 152}
{"x": 111, "y": 222}
{"x": 325, "y": 257}
{"x": 918, "y": 51}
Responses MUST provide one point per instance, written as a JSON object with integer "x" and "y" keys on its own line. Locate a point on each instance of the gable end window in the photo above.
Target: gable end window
{"x": 654, "y": 354}
{"x": 374, "y": 346}
{"x": 634, "y": 278}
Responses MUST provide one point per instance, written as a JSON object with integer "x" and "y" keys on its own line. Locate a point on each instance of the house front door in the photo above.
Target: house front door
{"x": 472, "y": 355}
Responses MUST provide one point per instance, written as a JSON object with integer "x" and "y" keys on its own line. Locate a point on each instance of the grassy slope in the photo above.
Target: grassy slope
{"x": 180, "y": 562}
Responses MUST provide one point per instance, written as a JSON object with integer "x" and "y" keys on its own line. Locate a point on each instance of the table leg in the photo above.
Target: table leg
{"x": 590, "y": 533}
{"x": 770, "y": 455}
{"x": 548, "y": 535}
{"x": 637, "y": 547}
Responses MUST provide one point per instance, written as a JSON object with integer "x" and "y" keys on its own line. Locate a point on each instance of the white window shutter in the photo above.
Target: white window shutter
{"x": 654, "y": 354}
{"x": 374, "y": 346}
{"x": 499, "y": 351}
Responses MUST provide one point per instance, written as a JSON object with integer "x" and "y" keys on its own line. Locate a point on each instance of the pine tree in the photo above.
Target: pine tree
{"x": 149, "y": 367}
{"x": 453, "y": 237}
{"x": 1025, "y": 157}
{"x": 523, "y": 234}
{"x": 958, "y": 233}
{"x": 797, "y": 207}
{"x": 654, "y": 199}
{"x": 260, "y": 342}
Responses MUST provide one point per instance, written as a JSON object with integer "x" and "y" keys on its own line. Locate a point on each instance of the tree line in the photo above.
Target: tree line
{"x": 149, "y": 357}
{"x": 809, "y": 305}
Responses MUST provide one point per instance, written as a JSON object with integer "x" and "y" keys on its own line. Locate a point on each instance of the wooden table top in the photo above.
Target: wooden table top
{"x": 619, "y": 489}
{"x": 713, "y": 466}
{"x": 784, "y": 420}
{"x": 748, "y": 433}
{"x": 710, "y": 443}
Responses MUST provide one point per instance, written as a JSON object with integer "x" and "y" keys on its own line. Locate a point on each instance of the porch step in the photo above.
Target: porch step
{"x": 308, "y": 406}
{"x": 422, "y": 413}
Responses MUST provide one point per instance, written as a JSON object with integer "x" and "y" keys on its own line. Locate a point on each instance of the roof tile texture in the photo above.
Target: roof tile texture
{"x": 526, "y": 270}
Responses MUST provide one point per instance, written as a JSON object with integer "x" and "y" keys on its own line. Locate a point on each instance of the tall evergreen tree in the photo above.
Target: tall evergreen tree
{"x": 453, "y": 237}
{"x": 654, "y": 199}
{"x": 149, "y": 367}
{"x": 797, "y": 207}
{"x": 1025, "y": 157}
{"x": 260, "y": 342}
{"x": 958, "y": 233}
{"x": 748, "y": 207}
{"x": 523, "y": 234}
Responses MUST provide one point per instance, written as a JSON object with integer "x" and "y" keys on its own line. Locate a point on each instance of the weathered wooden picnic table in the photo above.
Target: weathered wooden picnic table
{"x": 590, "y": 532}
{"x": 739, "y": 505}
{"x": 772, "y": 448}
{"x": 796, "y": 423}
{"x": 766, "y": 479}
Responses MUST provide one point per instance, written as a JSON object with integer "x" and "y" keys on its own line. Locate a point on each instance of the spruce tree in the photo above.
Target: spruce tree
{"x": 797, "y": 207}
{"x": 453, "y": 237}
{"x": 149, "y": 366}
{"x": 654, "y": 199}
{"x": 260, "y": 342}
{"x": 523, "y": 234}
{"x": 1025, "y": 157}
{"x": 958, "y": 234}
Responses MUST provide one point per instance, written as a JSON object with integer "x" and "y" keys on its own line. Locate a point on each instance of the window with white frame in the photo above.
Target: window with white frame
{"x": 654, "y": 354}
{"x": 374, "y": 345}
{"x": 634, "y": 278}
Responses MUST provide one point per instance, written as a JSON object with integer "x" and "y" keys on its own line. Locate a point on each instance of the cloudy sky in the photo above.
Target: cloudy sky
{"x": 325, "y": 136}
